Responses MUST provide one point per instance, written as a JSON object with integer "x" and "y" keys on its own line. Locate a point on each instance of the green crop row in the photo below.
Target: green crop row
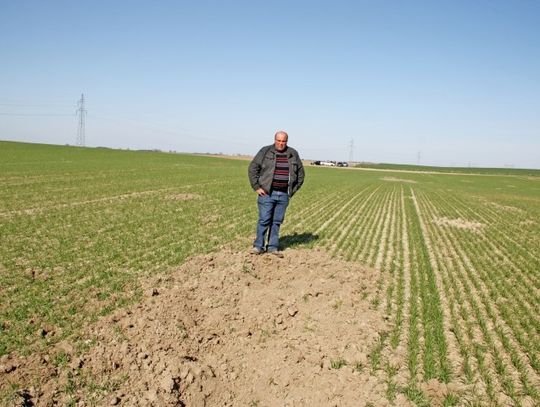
{"x": 460, "y": 250}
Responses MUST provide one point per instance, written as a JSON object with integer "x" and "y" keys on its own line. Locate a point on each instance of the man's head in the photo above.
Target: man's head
{"x": 280, "y": 140}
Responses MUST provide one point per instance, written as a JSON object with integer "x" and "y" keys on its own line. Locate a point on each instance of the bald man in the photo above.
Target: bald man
{"x": 275, "y": 174}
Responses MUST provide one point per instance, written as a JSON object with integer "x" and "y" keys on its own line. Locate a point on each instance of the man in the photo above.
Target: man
{"x": 275, "y": 174}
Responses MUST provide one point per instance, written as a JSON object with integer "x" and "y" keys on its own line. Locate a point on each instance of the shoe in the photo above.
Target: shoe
{"x": 276, "y": 253}
{"x": 256, "y": 250}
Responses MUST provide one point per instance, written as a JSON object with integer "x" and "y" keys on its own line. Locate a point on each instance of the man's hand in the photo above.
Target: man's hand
{"x": 261, "y": 192}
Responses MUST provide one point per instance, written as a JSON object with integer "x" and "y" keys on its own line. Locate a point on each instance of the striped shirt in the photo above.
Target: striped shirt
{"x": 280, "y": 182}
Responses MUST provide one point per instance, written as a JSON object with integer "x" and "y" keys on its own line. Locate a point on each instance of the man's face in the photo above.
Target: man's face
{"x": 280, "y": 141}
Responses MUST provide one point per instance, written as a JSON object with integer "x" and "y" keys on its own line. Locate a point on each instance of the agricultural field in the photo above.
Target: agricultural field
{"x": 451, "y": 264}
{"x": 452, "y": 170}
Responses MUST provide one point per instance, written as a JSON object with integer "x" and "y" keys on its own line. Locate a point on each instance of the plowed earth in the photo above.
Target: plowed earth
{"x": 225, "y": 329}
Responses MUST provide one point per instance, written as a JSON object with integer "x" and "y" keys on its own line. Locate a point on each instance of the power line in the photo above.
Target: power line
{"x": 34, "y": 114}
{"x": 16, "y": 108}
{"x": 34, "y": 104}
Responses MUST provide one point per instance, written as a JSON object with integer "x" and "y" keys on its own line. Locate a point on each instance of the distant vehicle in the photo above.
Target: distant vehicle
{"x": 328, "y": 163}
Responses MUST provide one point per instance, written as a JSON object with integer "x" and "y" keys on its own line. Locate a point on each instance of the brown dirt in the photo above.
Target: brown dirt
{"x": 508, "y": 208}
{"x": 459, "y": 223}
{"x": 224, "y": 329}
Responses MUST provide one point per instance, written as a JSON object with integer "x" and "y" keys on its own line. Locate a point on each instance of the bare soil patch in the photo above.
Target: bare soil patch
{"x": 409, "y": 181}
{"x": 225, "y": 329}
{"x": 183, "y": 197}
{"x": 506, "y": 207}
{"x": 459, "y": 223}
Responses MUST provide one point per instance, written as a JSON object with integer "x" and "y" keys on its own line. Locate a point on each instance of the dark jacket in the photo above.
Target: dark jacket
{"x": 261, "y": 169}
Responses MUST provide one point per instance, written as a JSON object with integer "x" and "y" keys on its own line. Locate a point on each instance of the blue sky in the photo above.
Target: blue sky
{"x": 429, "y": 82}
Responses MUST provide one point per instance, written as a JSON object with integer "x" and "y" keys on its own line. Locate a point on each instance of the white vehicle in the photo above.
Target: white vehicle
{"x": 328, "y": 163}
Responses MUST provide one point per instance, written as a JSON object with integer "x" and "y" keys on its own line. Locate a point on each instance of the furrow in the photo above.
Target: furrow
{"x": 356, "y": 239}
{"x": 455, "y": 275}
{"x": 316, "y": 211}
{"x": 342, "y": 234}
{"x": 338, "y": 213}
{"x": 433, "y": 306}
{"x": 367, "y": 231}
{"x": 518, "y": 296}
{"x": 506, "y": 354}
{"x": 510, "y": 253}
{"x": 402, "y": 296}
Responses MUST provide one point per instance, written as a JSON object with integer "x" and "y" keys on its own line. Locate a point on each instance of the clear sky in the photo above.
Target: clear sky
{"x": 429, "y": 82}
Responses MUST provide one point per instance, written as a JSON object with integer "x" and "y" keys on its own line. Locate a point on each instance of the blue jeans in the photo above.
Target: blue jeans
{"x": 271, "y": 215}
